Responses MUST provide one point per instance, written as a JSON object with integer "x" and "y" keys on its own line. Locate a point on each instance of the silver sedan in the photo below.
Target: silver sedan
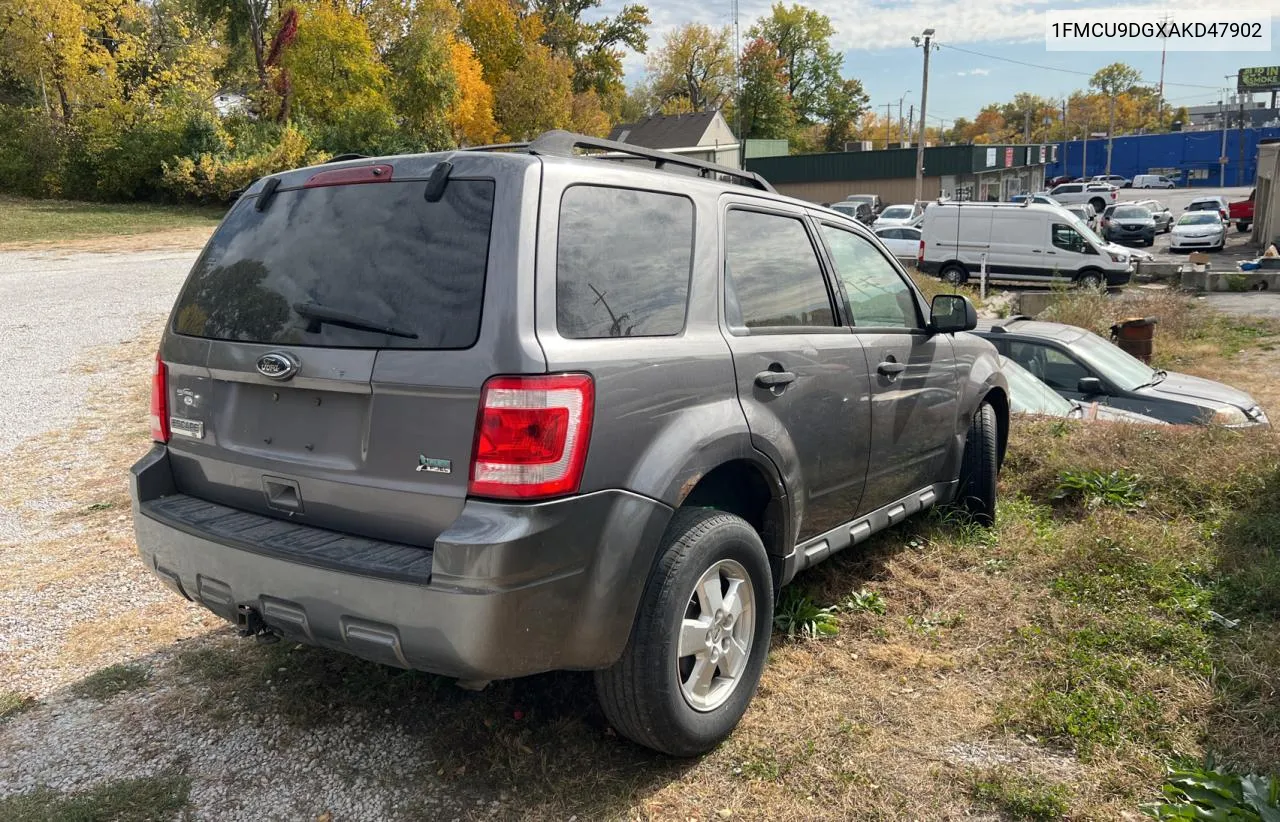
{"x": 1198, "y": 229}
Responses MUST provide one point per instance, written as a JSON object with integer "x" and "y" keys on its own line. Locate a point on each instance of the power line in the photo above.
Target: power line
{"x": 1057, "y": 68}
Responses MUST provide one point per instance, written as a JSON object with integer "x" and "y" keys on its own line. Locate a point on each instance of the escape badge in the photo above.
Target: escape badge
{"x": 434, "y": 466}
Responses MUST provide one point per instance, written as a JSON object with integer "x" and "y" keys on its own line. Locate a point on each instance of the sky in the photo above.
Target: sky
{"x": 978, "y": 39}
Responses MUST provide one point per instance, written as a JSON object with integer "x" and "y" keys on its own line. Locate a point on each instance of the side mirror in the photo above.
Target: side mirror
{"x": 1090, "y": 386}
{"x": 950, "y": 313}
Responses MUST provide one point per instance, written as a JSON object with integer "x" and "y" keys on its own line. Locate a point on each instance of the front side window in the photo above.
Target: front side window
{"x": 878, "y": 296}
{"x": 1057, "y": 368}
{"x": 622, "y": 263}
{"x": 1068, "y": 239}
{"x": 772, "y": 275}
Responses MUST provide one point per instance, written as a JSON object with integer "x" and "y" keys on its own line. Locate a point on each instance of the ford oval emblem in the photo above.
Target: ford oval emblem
{"x": 277, "y": 365}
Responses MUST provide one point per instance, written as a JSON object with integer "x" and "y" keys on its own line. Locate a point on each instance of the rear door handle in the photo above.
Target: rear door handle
{"x": 775, "y": 379}
{"x": 1035, "y": 251}
{"x": 890, "y": 368}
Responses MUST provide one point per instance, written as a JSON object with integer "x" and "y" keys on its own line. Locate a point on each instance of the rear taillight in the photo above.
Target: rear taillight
{"x": 1113, "y": 194}
{"x": 532, "y": 435}
{"x": 160, "y": 401}
{"x": 920, "y": 253}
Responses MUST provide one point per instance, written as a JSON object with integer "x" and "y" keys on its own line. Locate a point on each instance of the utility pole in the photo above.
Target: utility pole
{"x": 911, "y": 120}
{"x": 1064, "y": 134}
{"x": 1026, "y": 126}
{"x": 924, "y": 102}
{"x": 1084, "y": 154}
{"x": 900, "y": 99}
{"x": 888, "y": 122}
{"x": 1222, "y": 157}
{"x": 737, "y": 90}
{"x": 1240, "y": 172}
{"x": 1164, "y": 42}
{"x": 1111, "y": 130}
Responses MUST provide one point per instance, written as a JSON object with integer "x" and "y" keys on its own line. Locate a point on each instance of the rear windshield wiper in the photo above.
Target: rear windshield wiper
{"x": 320, "y": 315}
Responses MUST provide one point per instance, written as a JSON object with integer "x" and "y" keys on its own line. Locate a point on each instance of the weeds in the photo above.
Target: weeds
{"x": 1117, "y": 488}
{"x": 108, "y": 682}
{"x": 864, "y": 602}
{"x": 797, "y": 615}
{"x": 13, "y": 703}
{"x": 1203, "y": 791}
{"x": 1021, "y": 797}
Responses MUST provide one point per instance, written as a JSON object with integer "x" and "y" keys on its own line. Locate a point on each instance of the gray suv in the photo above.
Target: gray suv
{"x": 494, "y": 412}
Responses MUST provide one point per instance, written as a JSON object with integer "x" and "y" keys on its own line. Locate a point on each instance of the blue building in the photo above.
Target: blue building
{"x": 1189, "y": 157}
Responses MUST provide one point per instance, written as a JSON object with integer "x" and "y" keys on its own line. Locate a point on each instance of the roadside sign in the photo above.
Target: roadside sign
{"x": 1258, "y": 78}
{"x": 1008, "y": 157}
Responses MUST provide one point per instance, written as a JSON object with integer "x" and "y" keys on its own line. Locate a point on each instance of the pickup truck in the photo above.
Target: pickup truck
{"x": 1098, "y": 195}
{"x": 1242, "y": 212}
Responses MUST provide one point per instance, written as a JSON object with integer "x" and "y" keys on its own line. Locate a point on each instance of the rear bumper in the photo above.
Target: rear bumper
{"x": 508, "y": 590}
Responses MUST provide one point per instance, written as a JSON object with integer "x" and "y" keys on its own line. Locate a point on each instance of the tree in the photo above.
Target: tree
{"x": 423, "y": 86}
{"x": 499, "y": 34}
{"x": 586, "y": 115}
{"x": 763, "y": 105}
{"x": 332, "y": 63}
{"x": 46, "y": 41}
{"x": 693, "y": 70}
{"x": 1115, "y": 79}
{"x": 537, "y": 97}
{"x": 471, "y": 115}
{"x": 801, "y": 38}
{"x": 593, "y": 49}
{"x": 990, "y": 127}
{"x": 841, "y": 108}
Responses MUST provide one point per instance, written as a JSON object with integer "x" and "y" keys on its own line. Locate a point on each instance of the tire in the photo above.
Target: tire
{"x": 1149, "y": 241}
{"x": 1099, "y": 204}
{"x": 1091, "y": 280}
{"x": 954, "y": 273}
{"x": 979, "y": 467}
{"x": 648, "y": 694}
{"x": 1242, "y": 226}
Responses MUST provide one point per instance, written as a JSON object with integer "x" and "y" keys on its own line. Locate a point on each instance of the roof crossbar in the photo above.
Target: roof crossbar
{"x": 561, "y": 143}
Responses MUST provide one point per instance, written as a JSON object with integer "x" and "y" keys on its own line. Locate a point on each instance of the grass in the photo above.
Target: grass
{"x": 1020, "y": 796}
{"x": 110, "y": 681}
{"x": 147, "y": 799}
{"x": 43, "y": 221}
{"x": 13, "y": 703}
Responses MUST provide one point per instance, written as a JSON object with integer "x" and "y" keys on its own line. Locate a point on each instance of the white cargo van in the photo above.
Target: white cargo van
{"x": 1152, "y": 181}
{"x": 1026, "y": 243}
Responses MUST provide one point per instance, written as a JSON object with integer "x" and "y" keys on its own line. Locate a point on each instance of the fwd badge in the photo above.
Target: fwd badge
{"x": 434, "y": 466}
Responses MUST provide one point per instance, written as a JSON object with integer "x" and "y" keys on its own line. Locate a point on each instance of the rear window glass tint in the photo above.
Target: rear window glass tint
{"x": 772, "y": 275}
{"x": 379, "y": 253}
{"x": 622, "y": 263}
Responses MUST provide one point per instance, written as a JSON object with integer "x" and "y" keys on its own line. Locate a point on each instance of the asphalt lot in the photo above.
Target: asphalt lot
{"x": 1177, "y": 199}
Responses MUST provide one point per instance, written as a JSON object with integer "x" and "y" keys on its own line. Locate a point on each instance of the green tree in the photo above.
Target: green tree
{"x": 423, "y": 85}
{"x": 594, "y": 48}
{"x": 537, "y": 97}
{"x": 693, "y": 71}
{"x": 764, "y": 107}
{"x": 333, "y": 64}
{"x": 842, "y": 105}
{"x": 802, "y": 39}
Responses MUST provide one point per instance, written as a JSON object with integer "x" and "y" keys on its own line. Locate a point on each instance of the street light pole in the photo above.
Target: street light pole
{"x": 924, "y": 102}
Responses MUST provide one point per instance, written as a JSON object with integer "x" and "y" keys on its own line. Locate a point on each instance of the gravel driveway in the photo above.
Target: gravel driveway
{"x": 55, "y": 306}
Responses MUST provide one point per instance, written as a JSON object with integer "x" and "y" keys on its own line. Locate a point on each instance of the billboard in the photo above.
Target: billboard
{"x": 1258, "y": 78}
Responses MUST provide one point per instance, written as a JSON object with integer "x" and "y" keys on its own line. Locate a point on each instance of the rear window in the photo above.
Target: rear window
{"x": 348, "y": 266}
{"x": 622, "y": 263}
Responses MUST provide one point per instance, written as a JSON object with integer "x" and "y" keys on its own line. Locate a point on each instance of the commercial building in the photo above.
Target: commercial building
{"x": 960, "y": 172}
{"x": 1191, "y": 158}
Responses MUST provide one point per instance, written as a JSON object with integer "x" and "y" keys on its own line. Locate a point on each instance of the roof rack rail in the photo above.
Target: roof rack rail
{"x": 560, "y": 143}
{"x": 340, "y": 158}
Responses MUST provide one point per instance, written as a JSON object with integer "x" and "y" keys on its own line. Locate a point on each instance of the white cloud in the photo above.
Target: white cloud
{"x": 978, "y": 72}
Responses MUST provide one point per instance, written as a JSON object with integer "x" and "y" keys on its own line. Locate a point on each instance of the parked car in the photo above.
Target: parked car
{"x": 1112, "y": 179}
{"x": 1198, "y": 229}
{"x": 859, "y": 211}
{"x": 1242, "y": 212}
{"x": 1213, "y": 203}
{"x": 1160, "y": 213}
{"x": 1059, "y": 180}
{"x": 1152, "y": 181}
{"x": 1098, "y": 195}
{"x": 1040, "y": 198}
{"x": 1086, "y": 214}
{"x": 1022, "y": 243}
{"x": 902, "y": 241}
{"x": 1128, "y": 223}
{"x": 486, "y": 413}
{"x": 873, "y": 200}
{"x": 898, "y": 215}
{"x": 1082, "y": 366}
{"x": 1030, "y": 395}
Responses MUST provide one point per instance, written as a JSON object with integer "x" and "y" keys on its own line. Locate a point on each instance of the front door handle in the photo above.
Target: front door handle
{"x": 1035, "y": 251}
{"x": 775, "y": 379}
{"x": 890, "y": 368}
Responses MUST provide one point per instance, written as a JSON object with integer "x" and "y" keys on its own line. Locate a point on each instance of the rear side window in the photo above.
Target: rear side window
{"x": 348, "y": 266}
{"x": 772, "y": 275}
{"x": 622, "y": 263}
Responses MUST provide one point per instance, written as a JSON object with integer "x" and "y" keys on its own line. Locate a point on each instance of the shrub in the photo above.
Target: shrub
{"x": 32, "y": 153}
{"x": 212, "y": 179}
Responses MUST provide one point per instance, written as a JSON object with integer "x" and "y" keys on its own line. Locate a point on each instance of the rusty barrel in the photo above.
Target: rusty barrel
{"x": 1135, "y": 335}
